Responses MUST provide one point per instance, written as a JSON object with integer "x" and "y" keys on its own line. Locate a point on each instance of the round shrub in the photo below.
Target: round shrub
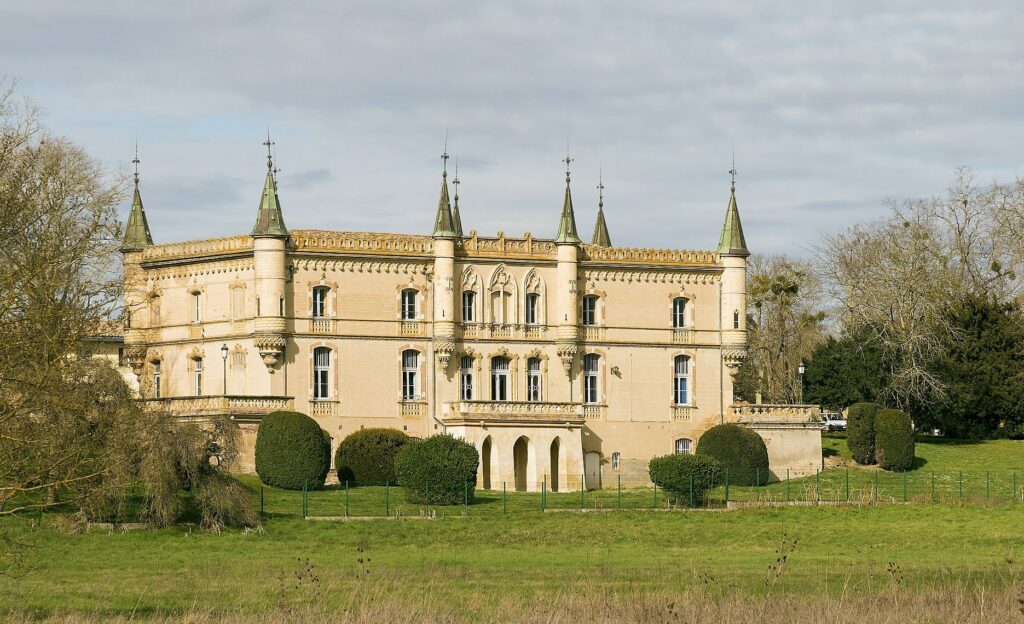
{"x": 894, "y": 440}
{"x": 739, "y": 450}
{"x": 292, "y": 450}
{"x": 367, "y": 457}
{"x": 677, "y": 473}
{"x": 860, "y": 432}
{"x": 436, "y": 470}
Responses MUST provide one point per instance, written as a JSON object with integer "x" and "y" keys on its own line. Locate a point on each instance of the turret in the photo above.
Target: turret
{"x": 733, "y": 253}
{"x": 445, "y": 234}
{"x": 270, "y": 236}
{"x": 136, "y": 239}
{"x": 567, "y": 242}
{"x": 601, "y": 238}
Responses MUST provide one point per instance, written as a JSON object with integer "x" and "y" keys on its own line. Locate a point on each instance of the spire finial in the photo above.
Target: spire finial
{"x": 444, "y": 156}
{"x": 455, "y": 181}
{"x": 568, "y": 161}
{"x": 136, "y": 161}
{"x": 732, "y": 171}
{"x": 270, "y": 158}
{"x": 600, "y": 187}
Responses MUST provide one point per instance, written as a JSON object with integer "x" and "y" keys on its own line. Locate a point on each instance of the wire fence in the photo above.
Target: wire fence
{"x": 832, "y": 487}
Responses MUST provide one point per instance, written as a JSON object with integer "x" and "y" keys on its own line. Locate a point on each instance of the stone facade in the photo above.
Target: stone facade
{"x": 560, "y": 366}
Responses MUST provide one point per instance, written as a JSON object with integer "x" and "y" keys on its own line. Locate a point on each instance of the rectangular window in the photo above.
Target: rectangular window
{"x": 680, "y": 390}
{"x": 682, "y": 446}
{"x": 280, "y": 306}
{"x": 590, "y": 310}
{"x": 468, "y": 309}
{"x": 197, "y": 379}
{"x": 320, "y": 301}
{"x": 237, "y": 303}
{"x": 499, "y": 379}
{"x": 532, "y": 309}
{"x": 410, "y": 372}
{"x": 616, "y": 460}
{"x": 678, "y": 312}
{"x": 156, "y": 379}
{"x": 321, "y": 373}
{"x": 533, "y": 380}
{"x": 408, "y": 305}
{"x": 590, "y": 368}
{"x": 735, "y": 319}
{"x": 466, "y": 378}
{"x": 197, "y": 313}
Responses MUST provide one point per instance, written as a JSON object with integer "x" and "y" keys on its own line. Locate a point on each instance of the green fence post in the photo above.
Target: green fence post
{"x": 933, "y": 487}
{"x": 847, "y": 486}
{"x": 1014, "y": 498}
{"x": 904, "y": 487}
{"x": 691, "y": 490}
{"x": 465, "y": 497}
{"x": 305, "y": 487}
{"x": 618, "y": 495}
{"x": 261, "y": 498}
{"x": 387, "y": 498}
{"x": 543, "y": 492}
{"x": 582, "y": 489}
{"x": 787, "y": 485}
{"x": 961, "y": 482}
{"x": 504, "y": 498}
{"x": 757, "y": 478}
{"x": 654, "y": 505}
{"x": 817, "y": 485}
{"x": 346, "y": 498}
{"x": 427, "y": 500}
{"x": 875, "y": 496}
{"x": 726, "y": 488}
{"x": 986, "y": 486}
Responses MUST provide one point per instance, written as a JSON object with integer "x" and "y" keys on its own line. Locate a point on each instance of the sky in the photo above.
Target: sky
{"x": 830, "y": 108}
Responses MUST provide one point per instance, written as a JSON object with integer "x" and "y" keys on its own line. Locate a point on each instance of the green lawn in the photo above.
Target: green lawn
{"x": 472, "y": 554}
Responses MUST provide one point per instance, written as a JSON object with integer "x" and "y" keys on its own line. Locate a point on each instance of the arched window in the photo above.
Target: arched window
{"x": 409, "y": 304}
{"x": 532, "y": 309}
{"x": 590, "y": 310}
{"x": 156, "y": 379}
{"x": 681, "y": 380}
{"x": 591, "y": 362}
{"x": 616, "y": 460}
{"x": 197, "y": 377}
{"x": 410, "y": 375}
{"x": 683, "y": 446}
{"x": 533, "y": 379}
{"x": 499, "y": 378}
{"x": 320, "y": 301}
{"x": 469, "y": 307}
{"x": 466, "y": 378}
{"x": 321, "y": 373}
{"x": 679, "y": 312}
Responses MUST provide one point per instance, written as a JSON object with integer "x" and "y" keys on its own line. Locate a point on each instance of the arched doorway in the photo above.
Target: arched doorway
{"x": 520, "y": 460}
{"x": 485, "y": 461}
{"x": 554, "y": 464}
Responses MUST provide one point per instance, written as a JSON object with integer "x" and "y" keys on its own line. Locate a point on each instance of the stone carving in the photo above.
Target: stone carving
{"x": 567, "y": 353}
{"x": 136, "y": 356}
{"x": 271, "y": 347}
{"x": 444, "y": 348}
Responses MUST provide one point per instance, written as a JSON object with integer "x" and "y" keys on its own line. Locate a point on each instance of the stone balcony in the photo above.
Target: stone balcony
{"x": 238, "y": 407}
{"x": 781, "y": 414}
{"x": 524, "y": 412}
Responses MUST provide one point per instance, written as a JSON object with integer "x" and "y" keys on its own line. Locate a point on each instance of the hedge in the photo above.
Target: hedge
{"x": 860, "y": 431}
{"x": 894, "y": 440}
{"x": 676, "y": 474}
{"x": 367, "y": 457}
{"x": 292, "y": 450}
{"x": 440, "y": 470}
{"x": 740, "y": 450}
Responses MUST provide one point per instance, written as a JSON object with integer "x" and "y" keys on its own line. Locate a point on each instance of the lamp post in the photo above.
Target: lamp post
{"x": 224, "y": 359}
{"x": 800, "y": 394}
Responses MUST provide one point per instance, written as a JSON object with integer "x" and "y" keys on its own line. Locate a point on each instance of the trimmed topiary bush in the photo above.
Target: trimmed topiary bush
{"x": 292, "y": 450}
{"x": 437, "y": 470}
{"x": 367, "y": 457}
{"x": 739, "y": 450}
{"x": 894, "y": 440}
{"x": 860, "y": 432}
{"x": 676, "y": 473}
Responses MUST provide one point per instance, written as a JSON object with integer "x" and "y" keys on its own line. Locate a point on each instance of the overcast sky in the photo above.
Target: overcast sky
{"x": 830, "y": 110}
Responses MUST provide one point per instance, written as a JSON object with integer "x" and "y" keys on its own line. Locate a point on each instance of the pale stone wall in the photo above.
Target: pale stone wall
{"x": 365, "y": 275}
{"x": 792, "y": 434}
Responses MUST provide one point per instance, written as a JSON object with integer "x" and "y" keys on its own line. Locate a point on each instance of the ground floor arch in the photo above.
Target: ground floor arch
{"x": 521, "y": 462}
{"x": 485, "y": 463}
{"x": 554, "y": 463}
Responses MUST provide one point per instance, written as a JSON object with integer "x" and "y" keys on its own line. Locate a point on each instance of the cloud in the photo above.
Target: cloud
{"x": 829, "y": 108}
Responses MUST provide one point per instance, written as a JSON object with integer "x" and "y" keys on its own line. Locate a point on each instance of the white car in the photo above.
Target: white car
{"x": 833, "y": 421}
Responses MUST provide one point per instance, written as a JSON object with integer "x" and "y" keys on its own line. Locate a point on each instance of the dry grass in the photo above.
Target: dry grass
{"x": 376, "y": 603}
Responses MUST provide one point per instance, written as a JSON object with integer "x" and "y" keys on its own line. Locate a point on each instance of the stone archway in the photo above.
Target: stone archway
{"x": 555, "y": 448}
{"x": 521, "y": 462}
{"x": 485, "y": 462}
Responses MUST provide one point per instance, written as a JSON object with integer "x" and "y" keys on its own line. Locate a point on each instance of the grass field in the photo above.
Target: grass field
{"x": 959, "y": 560}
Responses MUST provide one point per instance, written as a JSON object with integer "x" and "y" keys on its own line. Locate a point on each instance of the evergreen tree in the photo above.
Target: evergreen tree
{"x": 845, "y": 371}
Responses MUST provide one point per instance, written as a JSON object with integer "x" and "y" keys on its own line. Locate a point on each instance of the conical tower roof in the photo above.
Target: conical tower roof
{"x": 136, "y": 231}
{"x": 269, "y": 219}
{"x": 444, "y": 224}
{"x": 567, "y": 224}
{"x": 601, "y": 238}
{"x": 732, "y": 241}
{"x": 456, "y": 216}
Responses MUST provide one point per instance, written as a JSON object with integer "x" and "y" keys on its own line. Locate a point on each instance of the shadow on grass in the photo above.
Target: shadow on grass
{"x": 919, "y": 462}
{"x": 829, "y": 452}
{"x": 940, "y": 440}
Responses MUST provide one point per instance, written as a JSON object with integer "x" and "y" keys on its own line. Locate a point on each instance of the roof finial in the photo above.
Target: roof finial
{"x": 568, "y": 161}
{"x": 600, "y": 187}
{"x": 732, "y": 171}
{"x": 444, "y": 156}
{"x": 136, "y": 161}
{"x": 455, "y": 181}
{"x": 270, "y": 158}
